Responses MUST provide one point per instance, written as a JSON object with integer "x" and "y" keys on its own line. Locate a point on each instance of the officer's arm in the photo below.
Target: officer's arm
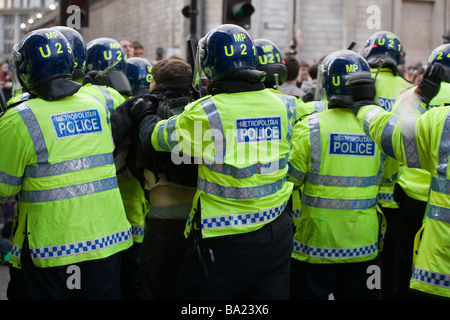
{"x": 12, "y": 163}
{"x": 299, "y": 158}
{"x": 184, "y": 133}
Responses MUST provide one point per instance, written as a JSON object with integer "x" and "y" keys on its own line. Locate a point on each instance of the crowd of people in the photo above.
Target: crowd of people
{"x": 242, "y": 174}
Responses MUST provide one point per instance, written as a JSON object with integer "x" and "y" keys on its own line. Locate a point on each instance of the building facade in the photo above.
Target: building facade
{"x": 313, "y": 28}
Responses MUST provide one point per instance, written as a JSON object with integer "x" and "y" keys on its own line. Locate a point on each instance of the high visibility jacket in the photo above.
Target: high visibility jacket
{"x": 340, "y": 170}
{"x": 421, "y": 142}
{"x": 302, "y": 111}
{"x": 241, "y": 142}
{"x": 134, "y": 200}
{"x": 388, "y": 88}
{"x": 57, "y": 157}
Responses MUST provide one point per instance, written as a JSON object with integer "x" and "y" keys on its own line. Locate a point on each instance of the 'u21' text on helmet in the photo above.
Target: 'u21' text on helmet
{"x": 270, "y": 61}
{"x": 383, "y": 47}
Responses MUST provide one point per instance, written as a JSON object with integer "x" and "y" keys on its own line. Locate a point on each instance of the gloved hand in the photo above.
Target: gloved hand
{"x": 164, "y": 111}
{"x": 430, "y": 84}
{"x": 142, "y": 108}
{"x": 363, "y": 90}
{"x": 93, "y": 78}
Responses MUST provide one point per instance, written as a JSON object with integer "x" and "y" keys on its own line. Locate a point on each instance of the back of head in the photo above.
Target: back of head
{"x": 270, "y": 61}
{"x": 168, "y": 70}
{"x": 441, "y": 55}
{"x": 139, "y": 74}
{"x": 78, "y": 46}
{"x": 334, "y": 73}
{"x": 292, "y": 66}
{"x": 383, "y": 49}
{"x": 44, "y": 64}
{"x": 225, "y": 49}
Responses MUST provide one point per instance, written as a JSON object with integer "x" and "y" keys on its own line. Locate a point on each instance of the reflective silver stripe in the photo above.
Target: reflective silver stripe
{"x": 386, "y": 136}
{"x": 10, "y": 179}
{"x": 440, "y": 185}
{"x": 289, "y": 102}
{"x": 296, "y": 174}
{"x": 438, "y": 213}
{"x": 215, "y": 123}
{"x": 314, "y": 132}
{"x": 444, "y": 149}
{"x": 65, "y": 250}
{"x": 108, "y": 99}
{"x": 170, "y": 128}
{"x": 318, "y": 106}
{"x": 35, "y": 132}
{"x": 343, "y": 181}
{"x": 240, "y": 193}
{"x": 340, "y": 204}
{"x": 70, "y": 191}
{"x": 244, "y": 219}
{"x": 368, "y": 118}
{"x": 160, "y": 136}
{"x": 242, "y": 173}
{"x": 409, "y": 143}
{"x": 334, "y": 253}
{"x": 431, "y": 278}
{"x": 69, "y": 166}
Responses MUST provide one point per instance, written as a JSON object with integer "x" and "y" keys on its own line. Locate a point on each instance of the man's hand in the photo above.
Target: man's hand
{"x": 430, "y": 84}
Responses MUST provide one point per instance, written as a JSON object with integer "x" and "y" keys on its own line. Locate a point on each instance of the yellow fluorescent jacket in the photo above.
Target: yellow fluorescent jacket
{"x": 421, "y": 142}
{"x": 57, "y": 157}
{"x": 241, "y": 142}
{"x": 340, "y": 170}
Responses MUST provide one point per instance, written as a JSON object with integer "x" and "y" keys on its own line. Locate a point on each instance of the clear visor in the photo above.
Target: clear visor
{"x": 320, "y": 94}
{"x": 197, "y": 76}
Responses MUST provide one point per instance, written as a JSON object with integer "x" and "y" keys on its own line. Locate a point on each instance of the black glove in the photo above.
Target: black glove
{"x": 430, "y": 84}
{"x": 93, "y": 77}
{"x": 363, "y": 90}
{"x": 164, "y": 111}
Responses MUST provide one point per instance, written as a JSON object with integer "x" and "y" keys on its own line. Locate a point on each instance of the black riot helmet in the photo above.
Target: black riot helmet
{"x": 383, "y": 49}
{"x": 44, "y": 63}
{"x": 271, "y": 62}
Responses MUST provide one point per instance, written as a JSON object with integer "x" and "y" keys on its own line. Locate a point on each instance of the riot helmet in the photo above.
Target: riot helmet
{"x": 270, "y": 61}
{"x": 225, "y": 49}
{"x": 441, "y": 55}
{"x": 44, "y": 64}
{"x": 139, "y": 73}
{"x": 107, "y": 57}
{"x": 383, "y": 49}
{"x": 78, "y": 45}
{"x": 333, "y": 75}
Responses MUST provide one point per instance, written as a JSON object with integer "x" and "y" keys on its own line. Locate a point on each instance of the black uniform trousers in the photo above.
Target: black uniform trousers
{"x": 250, "y": 266}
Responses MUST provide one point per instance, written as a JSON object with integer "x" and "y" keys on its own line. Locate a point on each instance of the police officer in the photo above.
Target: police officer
{"x": 413, "y": 184}
{"x": 240, "y": 236}
{"x": 418, "y": 142}
{"x": 106, "y": 78}
{"x": 384, "y": 53}
{"x": 70, "y": 220}
{"x": 340, "y": 168}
